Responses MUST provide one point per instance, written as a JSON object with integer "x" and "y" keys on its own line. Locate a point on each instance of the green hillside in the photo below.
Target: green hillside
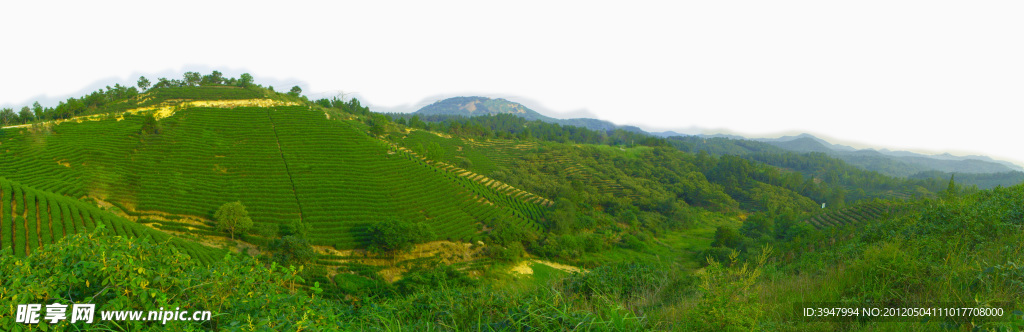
{"x": 368, "y": 221}
{"x": 286, "y": 164}
{"x": 855, "y": 214}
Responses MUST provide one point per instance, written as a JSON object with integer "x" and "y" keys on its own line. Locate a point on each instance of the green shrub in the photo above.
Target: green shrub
{"x": 883, "y": 274}
{"x": 292, "y": 250}
{"x": 511, "y": 252}
{"x": 621, "y": 281}
{"x": 391, "y": 235}
{"x": 728, "y": 301}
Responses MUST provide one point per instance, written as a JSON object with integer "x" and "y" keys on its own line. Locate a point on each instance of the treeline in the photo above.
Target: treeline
{"x": 509, "y": 126}
{"x": 351, "y": 106}
{"x": 765, "y": 163}
{"x": 116, "y": 98}
{"x": 88, "y": 104}
{"x": 848, "y": 183}
{"x": 981, "y": 181}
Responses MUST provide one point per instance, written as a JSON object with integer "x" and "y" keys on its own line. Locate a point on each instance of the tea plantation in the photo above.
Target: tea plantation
{"x": 286, "y": 164}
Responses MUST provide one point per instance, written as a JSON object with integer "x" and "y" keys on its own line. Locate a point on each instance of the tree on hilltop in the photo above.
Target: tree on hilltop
{"x": 143, "y": 83}
{"x": 192, "y": 78}
{"x": 233, "y": 218}
{"x": 7, "y": 116}
{"x": 245, "y": 80}
{"x": 295, "y": 92}
{"x": 215, "y": 78}
{"x": 26, "y": 114}
{"x": 38, "y": 110}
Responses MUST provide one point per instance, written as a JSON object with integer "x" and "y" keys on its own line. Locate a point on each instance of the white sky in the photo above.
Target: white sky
{"x": 930, "y": 76}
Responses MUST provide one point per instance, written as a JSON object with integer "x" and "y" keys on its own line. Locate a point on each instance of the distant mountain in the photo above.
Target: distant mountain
{"x": 802, "y": 144}
{"x": 479, "y": 106}
{"x": 896, "y": 163}
{"x": 804, "y": 139}
{"x": 735, "y": 137}
{"x": 666, "y": 134}
{"x": 947, "y": 156}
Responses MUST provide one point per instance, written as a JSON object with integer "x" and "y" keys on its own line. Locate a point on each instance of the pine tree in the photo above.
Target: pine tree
{"x": 951, "y": 189}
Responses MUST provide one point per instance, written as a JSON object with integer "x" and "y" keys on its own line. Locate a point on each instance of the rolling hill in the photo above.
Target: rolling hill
{"x": 374, "y": 221}
{"x": 289, "y": 165}
{"x": 894, "y": 163}
{"x": 31, "y": 219}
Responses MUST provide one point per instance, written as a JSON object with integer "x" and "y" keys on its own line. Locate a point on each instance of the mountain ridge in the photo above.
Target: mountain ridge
{"x": 480, "y": 106}
{"x": 897, "y": 163}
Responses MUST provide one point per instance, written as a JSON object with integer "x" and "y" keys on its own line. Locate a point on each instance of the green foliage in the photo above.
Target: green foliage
{"x": 143, "y": 83}
{"x": 391, "y": 235}
{"x": 295, "y": 91}
{"x": 891, "y": 270}
{"x": 728, "y": 237}
{"x": 192, "y": 78}
{"x": 284, "y": 163}
{"x": 297, "y": 228}
{"x": 215, "y": 78}
{"x": 149, "y": 125}
{"x": 728, "y": 301}
{"x": 563, "y": 218}
{"x": 982, "y": 181}
{"x": 7, "y": 116}
{"x": 619, "y": 281}
{"x": 233, "y": 218}
{"x": 245, "y": 80}
{"x": 433, "y": 277}
{"x": 26, "y": 115}
{"x": 434, "y": 151}
{"x": 292, "y": 250}
{"x": 508, "y": 238}
{"x": 511, "y": 252}
{"x": 118, "y": 273}
{"x": 759, "y": 226}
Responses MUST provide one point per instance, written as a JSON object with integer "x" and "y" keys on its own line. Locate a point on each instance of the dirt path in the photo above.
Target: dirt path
{"x": 524, "y": 267}
{"x": 284, "y": 160}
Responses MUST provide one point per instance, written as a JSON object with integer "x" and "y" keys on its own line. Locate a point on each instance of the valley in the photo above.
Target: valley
{"x": 444, "y": 220}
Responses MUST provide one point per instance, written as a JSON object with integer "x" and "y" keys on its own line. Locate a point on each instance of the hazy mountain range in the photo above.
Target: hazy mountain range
{"x": 896, "y": 163}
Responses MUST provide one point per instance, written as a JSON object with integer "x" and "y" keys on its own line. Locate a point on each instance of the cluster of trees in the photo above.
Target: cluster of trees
{"x": 509, "y": 126}
{"x": 192, "y": 78}
{"x": 759, "y": 229}
{"x": 392, "y": 235}
{"x": 88, "y": 104}
{"x": 981, "y": 181}
{"x": 102, "y": 100}
{"x": 661, "y": 187}
{"x": 351, "y": 106}
{"x": 815, "y": 175}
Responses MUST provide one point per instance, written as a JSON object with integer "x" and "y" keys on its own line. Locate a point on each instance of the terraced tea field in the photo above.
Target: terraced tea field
{"x": 285, "y": 164}
{"x": 854, "y": 214}
{"x": 486, "y": 156}
{"x": 31, "y": 219}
